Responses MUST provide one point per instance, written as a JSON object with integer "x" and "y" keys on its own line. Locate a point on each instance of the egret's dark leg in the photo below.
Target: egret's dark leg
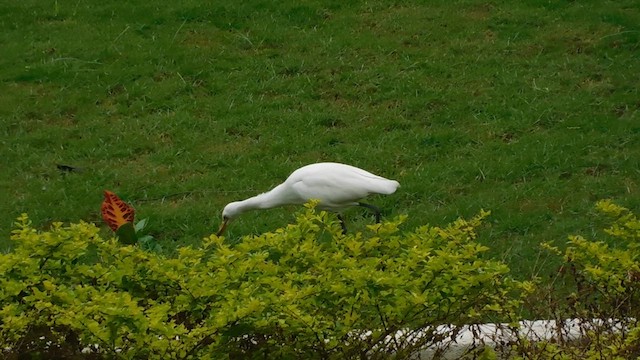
{"x": 375, "y": 210}
{"x": 344, "y": 227}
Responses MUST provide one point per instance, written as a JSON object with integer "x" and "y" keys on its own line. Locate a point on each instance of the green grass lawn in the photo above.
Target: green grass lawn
{"x": 530, "y": 109}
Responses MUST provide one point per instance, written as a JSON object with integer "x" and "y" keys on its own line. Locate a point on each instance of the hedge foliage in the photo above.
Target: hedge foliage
{"x": 305, "y": 291}
{"x": 600, "y": 283}
{"x": 308, "y": 291}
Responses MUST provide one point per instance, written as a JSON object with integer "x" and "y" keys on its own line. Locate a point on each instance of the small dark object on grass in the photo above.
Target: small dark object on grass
{"x": 68, "y": 168}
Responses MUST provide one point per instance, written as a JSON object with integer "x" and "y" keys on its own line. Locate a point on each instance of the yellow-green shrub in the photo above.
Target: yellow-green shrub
{"x": 601, "y": 287}
{"x": 304, "y": 291}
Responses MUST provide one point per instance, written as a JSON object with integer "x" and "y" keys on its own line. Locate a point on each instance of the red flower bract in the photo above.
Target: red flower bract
{"x": 116, "y": 212}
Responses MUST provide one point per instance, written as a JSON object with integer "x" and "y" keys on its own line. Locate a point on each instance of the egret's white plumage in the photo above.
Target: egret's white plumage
{"x": 336, "y": 186}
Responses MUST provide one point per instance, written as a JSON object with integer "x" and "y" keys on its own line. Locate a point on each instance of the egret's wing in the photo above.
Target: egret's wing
{"x": 338, "y": 185}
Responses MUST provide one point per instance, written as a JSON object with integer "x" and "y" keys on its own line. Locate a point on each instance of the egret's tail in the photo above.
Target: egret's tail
{"x": 388, "y": 187}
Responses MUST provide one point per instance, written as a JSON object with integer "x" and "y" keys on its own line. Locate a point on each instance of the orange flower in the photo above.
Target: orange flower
{"x": 116, "y": 212}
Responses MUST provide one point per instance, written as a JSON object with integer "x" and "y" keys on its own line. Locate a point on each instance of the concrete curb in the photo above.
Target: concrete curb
{"x": 499, "y": 336}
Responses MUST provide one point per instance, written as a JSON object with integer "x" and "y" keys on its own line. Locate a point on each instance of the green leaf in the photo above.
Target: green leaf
{"x": 149, "y": 243}
{"x": 140, "y": 225}
{"x": 127, "y": 234}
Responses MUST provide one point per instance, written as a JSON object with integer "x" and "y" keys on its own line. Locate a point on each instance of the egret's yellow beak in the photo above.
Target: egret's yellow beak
{"x": 223, "y": 226}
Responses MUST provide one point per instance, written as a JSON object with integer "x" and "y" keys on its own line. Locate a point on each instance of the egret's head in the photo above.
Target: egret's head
{"x": 229, "y": 213}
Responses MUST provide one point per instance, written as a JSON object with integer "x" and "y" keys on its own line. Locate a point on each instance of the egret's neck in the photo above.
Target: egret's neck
{"x": 273, "y": 198}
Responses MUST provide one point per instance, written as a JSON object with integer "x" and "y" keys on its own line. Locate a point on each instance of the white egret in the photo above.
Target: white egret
{"x": 336, "y": 186}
